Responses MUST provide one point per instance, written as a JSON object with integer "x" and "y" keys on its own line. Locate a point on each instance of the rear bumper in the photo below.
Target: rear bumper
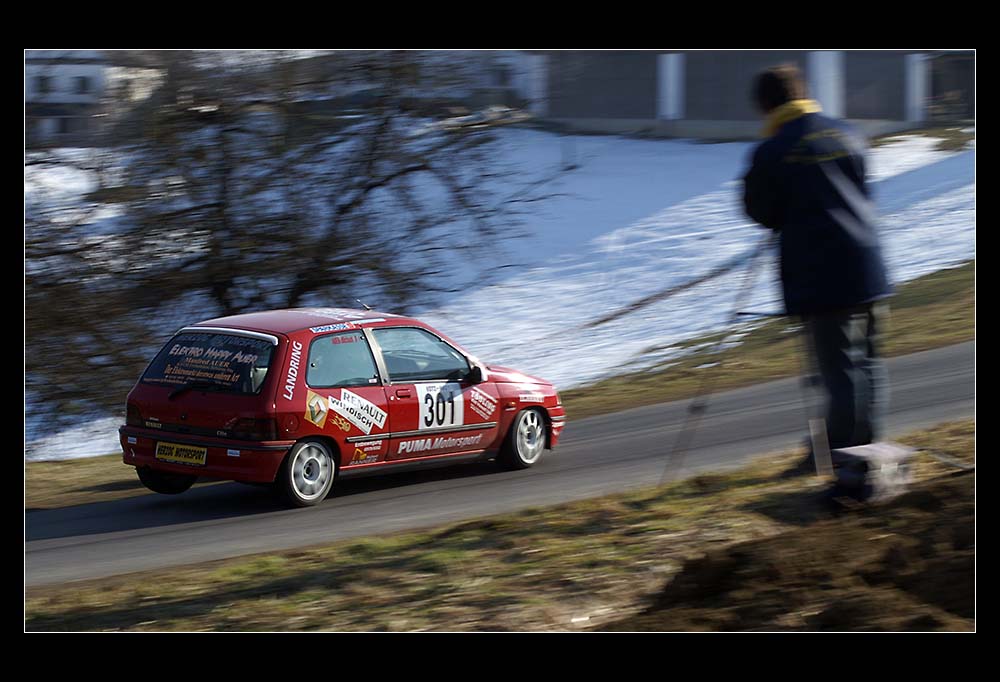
{"x": 226, "y": 459}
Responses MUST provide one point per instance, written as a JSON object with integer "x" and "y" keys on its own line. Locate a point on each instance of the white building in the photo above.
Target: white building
{"x": 63, "y": 90}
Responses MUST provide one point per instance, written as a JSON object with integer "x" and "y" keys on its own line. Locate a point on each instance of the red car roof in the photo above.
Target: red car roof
{"x": 294, "y": 319}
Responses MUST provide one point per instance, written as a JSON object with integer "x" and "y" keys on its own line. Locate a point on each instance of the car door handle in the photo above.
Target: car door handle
{"x": 403, "y": 393}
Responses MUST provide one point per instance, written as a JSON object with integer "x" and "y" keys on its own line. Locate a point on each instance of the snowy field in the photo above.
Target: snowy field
{"x": 637, "y": 217}
{"x": 648, "y": 215}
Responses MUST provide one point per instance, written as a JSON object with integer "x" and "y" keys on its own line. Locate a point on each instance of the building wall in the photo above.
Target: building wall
{"x": 519, "y": 70}
{"x": 718, "y": 84}
{"x": 62, "y": 69}
{"x": 601, "y": 85}
{"x": 875, "y": 85}
{"x": 825, "y": 78}
{"x": 60, "y": 112}
{"x": 680, "y": 92}
{"x": 953, "y": 87}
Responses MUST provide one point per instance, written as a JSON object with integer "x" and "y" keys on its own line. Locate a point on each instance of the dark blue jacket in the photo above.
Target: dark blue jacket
{"x": 808, "y": 183}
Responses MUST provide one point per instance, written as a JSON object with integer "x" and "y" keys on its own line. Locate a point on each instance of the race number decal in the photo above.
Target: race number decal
{"x": 440, "y": 406}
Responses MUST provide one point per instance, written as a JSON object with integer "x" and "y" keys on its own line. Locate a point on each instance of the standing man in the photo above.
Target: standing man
{"x": 807, "y": 183}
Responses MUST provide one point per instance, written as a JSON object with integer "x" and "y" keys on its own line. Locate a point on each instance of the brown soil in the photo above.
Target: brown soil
{"x": 907, "y": 565}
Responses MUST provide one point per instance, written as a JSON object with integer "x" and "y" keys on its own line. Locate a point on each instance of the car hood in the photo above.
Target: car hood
{"x": 506, "y": 375}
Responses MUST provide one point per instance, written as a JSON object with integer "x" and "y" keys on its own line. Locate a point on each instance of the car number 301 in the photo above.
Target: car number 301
{"x": 440, "y": 405}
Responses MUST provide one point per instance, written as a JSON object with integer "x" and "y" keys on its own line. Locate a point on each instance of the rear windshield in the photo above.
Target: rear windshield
{"x": 212, "y": 361}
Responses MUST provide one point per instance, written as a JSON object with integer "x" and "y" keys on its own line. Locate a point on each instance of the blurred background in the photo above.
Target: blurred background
{"x": 509, "y": 198}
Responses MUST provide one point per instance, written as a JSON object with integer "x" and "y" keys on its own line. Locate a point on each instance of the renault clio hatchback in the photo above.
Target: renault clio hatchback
{"x": 298, "y": 398}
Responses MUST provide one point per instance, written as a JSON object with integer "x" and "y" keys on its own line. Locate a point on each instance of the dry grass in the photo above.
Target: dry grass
{"x": 930, "y": 312}
{"x": 49, "y": 485}
{"x": 567, "y": 567}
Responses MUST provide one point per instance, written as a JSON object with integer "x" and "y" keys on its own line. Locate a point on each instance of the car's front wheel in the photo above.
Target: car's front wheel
{"x": 165, "y": 482}
{"x": 307, "y": 473}
{"x": 525, "y": 442}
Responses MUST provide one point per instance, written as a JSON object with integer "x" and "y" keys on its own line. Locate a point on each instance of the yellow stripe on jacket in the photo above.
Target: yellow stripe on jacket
{"x": 789, "y": 111}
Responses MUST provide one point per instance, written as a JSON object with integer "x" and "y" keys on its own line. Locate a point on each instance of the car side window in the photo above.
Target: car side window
{"x": 341, "y": 360}
{"x": 413, "y": 354}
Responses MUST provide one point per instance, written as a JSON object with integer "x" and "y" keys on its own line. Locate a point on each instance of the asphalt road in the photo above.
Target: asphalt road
{"x": 598, "y": 455}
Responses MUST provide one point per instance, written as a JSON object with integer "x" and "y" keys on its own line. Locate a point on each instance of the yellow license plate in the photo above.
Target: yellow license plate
{"x": 181, "y": 454}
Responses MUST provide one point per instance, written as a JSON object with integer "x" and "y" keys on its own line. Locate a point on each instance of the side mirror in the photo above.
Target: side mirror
{"x": 475, "y": 375}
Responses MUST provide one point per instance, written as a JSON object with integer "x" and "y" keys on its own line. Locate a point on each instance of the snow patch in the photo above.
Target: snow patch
{"x": 637, "y": 217}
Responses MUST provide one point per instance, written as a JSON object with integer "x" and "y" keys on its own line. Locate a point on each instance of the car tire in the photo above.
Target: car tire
{"x": 525, "y": 441}
{"x": 165, "y": 482}
{"x": 307, "y": 474}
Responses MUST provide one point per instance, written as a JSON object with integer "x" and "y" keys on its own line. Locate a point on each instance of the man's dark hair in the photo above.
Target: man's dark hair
{"x": 777, "y": 85}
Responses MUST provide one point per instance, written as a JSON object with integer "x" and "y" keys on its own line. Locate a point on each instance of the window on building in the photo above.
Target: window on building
{"x": 43, "y": 84}
{"x": 82, "y": 85}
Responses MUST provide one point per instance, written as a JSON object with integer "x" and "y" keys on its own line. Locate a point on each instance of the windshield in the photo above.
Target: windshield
{"x": 212, "y": 361}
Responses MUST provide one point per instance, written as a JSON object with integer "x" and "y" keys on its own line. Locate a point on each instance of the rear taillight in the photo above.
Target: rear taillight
{"x": 132, "y": 415}
{"x": 254, "y": 429}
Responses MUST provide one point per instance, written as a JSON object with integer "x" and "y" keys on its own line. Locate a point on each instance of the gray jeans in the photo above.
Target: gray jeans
{"x": 844, "y": 350}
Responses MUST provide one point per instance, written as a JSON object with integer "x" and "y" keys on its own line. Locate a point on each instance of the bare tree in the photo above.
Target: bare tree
{"x": 251, "y": 181}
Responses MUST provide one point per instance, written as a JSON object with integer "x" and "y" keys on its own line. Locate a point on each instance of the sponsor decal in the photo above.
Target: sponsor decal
{"x": 214, "y": 354}
{"x": 220, "y": 360}
{"x": 363, "y": 414}
{"x": 331, "y": 328}
{"x": 293, "y": 370}
{"x": 178, "y": 374}
{"x": 370, "y": 445}
{"x": 439, "y": 443}
{"x": 345, "y": 313}
{"x": 181, "y": 454}
{"x": 362, "y": 457}
{"x": 154, "y": 425}
{"x": 440, "y": 406}
{"x": 132, "y": 440}
{"x": 232, "y": 453}
{"x": 341, "y": 423}
{"x": 531, "y": 398}
{"x": 344, "y": 339}
{"x": 370, "y": 319}
{"x": 482, "y": 403}
{"x": 231, "y": 342}
{"x": 316, "y": 409}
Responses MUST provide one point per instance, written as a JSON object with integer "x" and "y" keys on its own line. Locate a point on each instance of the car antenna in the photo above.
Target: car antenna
{"x": 362, "y": 304}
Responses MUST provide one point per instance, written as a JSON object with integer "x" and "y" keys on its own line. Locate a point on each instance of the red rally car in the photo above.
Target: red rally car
{"x": 300, "y": 397}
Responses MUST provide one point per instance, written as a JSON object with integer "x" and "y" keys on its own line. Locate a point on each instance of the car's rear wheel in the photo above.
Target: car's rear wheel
{"x": 307, "y": 473}
{"x": 525, "y": 442}
{"x": 165, "y": 482}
